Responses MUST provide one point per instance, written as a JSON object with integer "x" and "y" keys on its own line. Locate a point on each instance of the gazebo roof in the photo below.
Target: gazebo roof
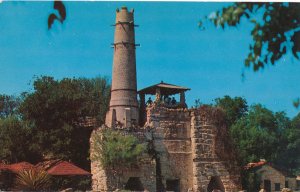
{"x": 165, "y": 89}
{"x": 59, "y": 167}
{"x": 16, "y": 167}
{"x": 53, "y": 167}
{"x": 3, "y": 166}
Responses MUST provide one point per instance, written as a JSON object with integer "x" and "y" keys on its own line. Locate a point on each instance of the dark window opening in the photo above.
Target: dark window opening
{"x": 277, "y": 186}
{"x": 134, "y": 184}
{"x": 173, "y": 185}
{"x": 287, "y": 184}
{"x": 267, "y": 185}
{"x": 215, "y": 184}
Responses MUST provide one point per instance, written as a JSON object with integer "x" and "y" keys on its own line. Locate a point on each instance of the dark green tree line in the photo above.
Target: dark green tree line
{"x": 46, "y": 123}
{"x": 9, "y": 105}
{"x": 258, "y": 133}
{"x": 16, "y": 140}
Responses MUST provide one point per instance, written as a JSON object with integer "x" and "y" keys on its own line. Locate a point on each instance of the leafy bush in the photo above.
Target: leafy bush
{"x": 77, "y": 183}
{"x": 114, "y": 149}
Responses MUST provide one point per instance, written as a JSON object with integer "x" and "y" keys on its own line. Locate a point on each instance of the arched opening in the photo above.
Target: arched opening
{"x": 215, "y": 184}
{"x": 134, "y": 184}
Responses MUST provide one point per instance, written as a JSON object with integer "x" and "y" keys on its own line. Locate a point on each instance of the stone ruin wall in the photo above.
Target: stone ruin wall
{"x": 191, "y": 147}
{"x": 213, "y": 155}
{"x": 172, "y": 141}
{"x": 194, "y": 147}
{"x": 108, "y": 181}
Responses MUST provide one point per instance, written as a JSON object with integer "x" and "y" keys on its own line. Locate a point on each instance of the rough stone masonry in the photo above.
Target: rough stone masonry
{"x": 123, "y": 106}
{"x": 193, "y": 151}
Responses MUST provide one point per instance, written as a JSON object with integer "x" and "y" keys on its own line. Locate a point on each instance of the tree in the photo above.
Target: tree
{"x": 276, "y": 29}
{"x": 55, "y": 107}
{"x": 259, "y": 126}
{"x": 290, "y": 155}
{"x": 260, "y": 133}
{"x": 9, "y": 105}
{"x": 248, "y": 127}
{"x": 16, "y": 141}
{"x": 234, "y": 108}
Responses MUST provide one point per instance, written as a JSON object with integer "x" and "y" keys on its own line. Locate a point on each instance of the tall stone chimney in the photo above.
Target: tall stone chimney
{"x": 123, "y": 107}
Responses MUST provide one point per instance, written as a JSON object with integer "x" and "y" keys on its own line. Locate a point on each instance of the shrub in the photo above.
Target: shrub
{"x": 115, "y": 149}
{"x": 33, "y": 180}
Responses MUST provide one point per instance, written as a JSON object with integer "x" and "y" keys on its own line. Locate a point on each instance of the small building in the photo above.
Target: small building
{"x": 273, "y": 178}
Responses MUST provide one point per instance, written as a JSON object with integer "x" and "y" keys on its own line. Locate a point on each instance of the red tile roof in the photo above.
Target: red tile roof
{"x": 16, "y": 167}
{"x": 253, "y": 165}
{"x": 45, "y": 165}
{"x": 53, "y": 167}
{"x": 3, "y": 166}
{"x": 262, "y": 163}
{"x": 59, "y": 167}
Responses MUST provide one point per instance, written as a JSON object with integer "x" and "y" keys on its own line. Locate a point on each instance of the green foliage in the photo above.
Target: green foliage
{"x": 77, "y": 183}
{"x": 55, "y": 107}
{"x": 258, "y": 133}
{"x": 251, "y": 180}
{"x": 234, "y": 108}
{"x": 115, "y": 149}
{"x": 296, "y": 102}
{"x": 290, "y": 156}
{"x": 33, "y": 180}
{"x": 45, "y": 121}
{"x": 66, "y": 100}
{"x": 267, "y": 135}
{"x": 9, "y": 105}
{"x": 15, "y": 141}
{"x": 276, "y": 29}
{"x": 259, "y": 126}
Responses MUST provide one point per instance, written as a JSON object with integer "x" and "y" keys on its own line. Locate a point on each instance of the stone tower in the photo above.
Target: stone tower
{"x": 123, "y": 107}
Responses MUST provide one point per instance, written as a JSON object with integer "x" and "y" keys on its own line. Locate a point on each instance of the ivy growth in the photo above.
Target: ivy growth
{"x": 115, "y": 149}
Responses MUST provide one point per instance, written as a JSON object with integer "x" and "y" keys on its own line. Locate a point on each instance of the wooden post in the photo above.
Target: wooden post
{"x": 142, "y": 114}
{"x": 182, "y": 98}
{"x": 157, "y": 95}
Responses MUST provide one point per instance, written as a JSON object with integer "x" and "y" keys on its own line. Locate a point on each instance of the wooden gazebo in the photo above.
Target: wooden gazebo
{"x": 162, "y": 92}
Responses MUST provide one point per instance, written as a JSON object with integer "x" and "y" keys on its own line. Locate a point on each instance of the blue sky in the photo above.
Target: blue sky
{"x": 173, "y": 49}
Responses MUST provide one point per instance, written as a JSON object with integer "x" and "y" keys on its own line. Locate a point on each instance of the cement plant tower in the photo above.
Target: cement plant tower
{"x": 123, "y": 107}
